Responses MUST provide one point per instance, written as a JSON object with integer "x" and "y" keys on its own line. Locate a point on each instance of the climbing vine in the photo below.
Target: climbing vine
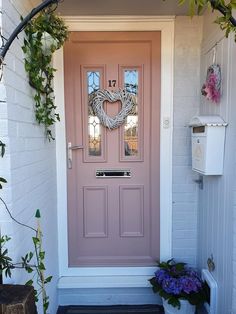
{"x": 44, "y": 34}
{"x": 32, "y": 262}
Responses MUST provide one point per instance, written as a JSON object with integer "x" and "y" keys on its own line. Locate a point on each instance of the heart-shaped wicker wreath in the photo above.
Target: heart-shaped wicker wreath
{"x": 127, "y": 101}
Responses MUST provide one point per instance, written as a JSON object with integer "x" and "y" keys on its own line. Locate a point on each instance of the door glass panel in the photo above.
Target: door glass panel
{"x": 94, "y": 125}
{"x": 131, "y": 124}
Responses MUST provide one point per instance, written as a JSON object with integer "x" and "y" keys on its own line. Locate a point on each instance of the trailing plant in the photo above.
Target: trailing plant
{"x": 227, "y": 22}
{"x": 32, "y": 262}
{"x": 44, "y": 35}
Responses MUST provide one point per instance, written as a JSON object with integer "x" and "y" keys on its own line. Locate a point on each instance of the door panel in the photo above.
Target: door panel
{"x": 113, "y": 221}
{"x": 131, "y": 211}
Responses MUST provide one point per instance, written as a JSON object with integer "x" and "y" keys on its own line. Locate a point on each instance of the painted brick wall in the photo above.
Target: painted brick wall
{"x": 233, "y": 78}
{"x": 216, "y": 233}
{"x": 29, "y": 164}
{"x": 234, "y": 216}
{"x": 188, "y": 35}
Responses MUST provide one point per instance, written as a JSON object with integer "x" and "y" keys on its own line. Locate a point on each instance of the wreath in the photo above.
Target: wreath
{"x": 96, "y": 100}
{"x": 211, "y": 88}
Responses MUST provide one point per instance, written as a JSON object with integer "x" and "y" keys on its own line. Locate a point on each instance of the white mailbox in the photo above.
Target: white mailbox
{"x": 208, "y": 136}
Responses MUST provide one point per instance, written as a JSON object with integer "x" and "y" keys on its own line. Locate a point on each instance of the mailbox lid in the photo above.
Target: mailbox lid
{"x": 207, "y": 121}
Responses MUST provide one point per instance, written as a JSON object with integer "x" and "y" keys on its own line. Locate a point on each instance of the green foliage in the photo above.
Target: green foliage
{"x": 40, "y": 268}
{"x": 2, "y": 148}
{"x": 32, "y": 262}
{"x": 38, "y": 64}
{"x": 195, "y": 6}
{"x": 2, "y": 152}
{"x": 2, "y": 180}
{"x": 227, "y": 22}
{"x": 5, "y": 260}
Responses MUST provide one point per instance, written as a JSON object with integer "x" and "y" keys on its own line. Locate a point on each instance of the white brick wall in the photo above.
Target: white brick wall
{"x": 188, "y": 34}
{"x": 6, "y": 223}
{"x": 216, "y": 234}
{"x": 29, "y": 164}
{"x": 233, "y": 97}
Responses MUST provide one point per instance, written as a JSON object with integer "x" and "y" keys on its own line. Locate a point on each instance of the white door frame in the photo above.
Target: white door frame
{"x": 120, "y": 23}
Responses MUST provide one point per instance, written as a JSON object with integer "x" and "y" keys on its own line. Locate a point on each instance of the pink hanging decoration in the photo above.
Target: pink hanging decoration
{"x": 211, "y": 88}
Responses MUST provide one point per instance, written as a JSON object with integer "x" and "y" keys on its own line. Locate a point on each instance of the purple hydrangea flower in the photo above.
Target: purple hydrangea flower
{"x": 172, "y": 285}
{"x": 160, "y": 275}
{"x": 176, "y": 281}
{"x": 190, "y": 284}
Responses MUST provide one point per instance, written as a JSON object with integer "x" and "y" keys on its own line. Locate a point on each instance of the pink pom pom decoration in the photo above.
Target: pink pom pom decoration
{"x": 211, "y": 88}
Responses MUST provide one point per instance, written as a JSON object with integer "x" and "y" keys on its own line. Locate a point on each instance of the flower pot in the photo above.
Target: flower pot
{"x": 185, "y": 308}
{"x": 47, "y": 42}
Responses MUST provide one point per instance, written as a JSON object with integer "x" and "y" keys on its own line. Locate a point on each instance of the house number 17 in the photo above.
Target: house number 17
{"x": 112, "y": 83}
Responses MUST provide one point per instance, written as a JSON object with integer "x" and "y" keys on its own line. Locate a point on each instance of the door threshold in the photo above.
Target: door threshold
{"x": 106, "y": 290}
{"x": 100, "y": 281}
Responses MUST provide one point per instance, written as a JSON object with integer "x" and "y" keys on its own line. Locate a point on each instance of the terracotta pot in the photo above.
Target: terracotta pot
{"x": 185, "y": 308}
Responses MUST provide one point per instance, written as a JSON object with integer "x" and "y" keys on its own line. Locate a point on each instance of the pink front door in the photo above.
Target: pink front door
{"x": 113, "y": 175}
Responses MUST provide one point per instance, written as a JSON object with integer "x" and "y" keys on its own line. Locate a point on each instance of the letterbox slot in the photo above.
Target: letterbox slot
{"x": 114, "y": 173}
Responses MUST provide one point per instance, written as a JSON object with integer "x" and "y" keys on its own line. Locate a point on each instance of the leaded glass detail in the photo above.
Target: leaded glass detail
{"x": 131, "y": 124}
{"x": 94, "y": 125}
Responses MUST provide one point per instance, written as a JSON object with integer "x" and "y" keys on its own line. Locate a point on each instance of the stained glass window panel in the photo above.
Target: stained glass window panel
{"x": 131, "y": 125}
{"x": 94, "y": 125}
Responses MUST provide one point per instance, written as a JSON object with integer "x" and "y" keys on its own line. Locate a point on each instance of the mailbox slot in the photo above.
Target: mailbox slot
{"x": 115, "y": 173}
{"x": 198, "y": 129}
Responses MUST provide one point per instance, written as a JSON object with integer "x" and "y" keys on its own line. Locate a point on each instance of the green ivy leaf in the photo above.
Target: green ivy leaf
{"x": 2, "y": 180}
{"x": 29, "y": 282}
{"x": 31, "y": 254}
{"x": 45, "y": 306}
{"x": 233, "y": 4}
{"x": 48, "y": 279}
{"x": 41, "y": 266}
{"x": 35, "y": 240}
{"x": 8, "y": 272}
{"x": 2, "y": 148}
{"x": 29, "y": 269}
{"x": 42, "y": 255}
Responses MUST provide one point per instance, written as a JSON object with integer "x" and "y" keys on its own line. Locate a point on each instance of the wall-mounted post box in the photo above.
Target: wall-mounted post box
{"x": 208, "y": 137}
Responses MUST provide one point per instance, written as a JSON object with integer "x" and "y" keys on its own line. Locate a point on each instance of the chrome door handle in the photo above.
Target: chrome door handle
{"x": 70, "y": 148}
{"x": 76, "y": 147}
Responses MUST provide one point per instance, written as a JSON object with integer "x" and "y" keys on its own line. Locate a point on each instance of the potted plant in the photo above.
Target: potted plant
{"x": 44, "y": 34}
{"x": 180, "y": 287}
